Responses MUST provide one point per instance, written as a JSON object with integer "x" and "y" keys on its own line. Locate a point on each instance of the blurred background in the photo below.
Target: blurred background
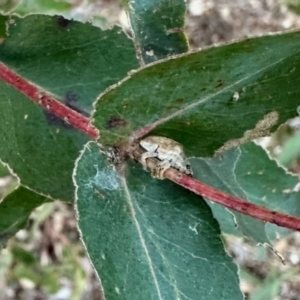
{"x": 46, "y": 260}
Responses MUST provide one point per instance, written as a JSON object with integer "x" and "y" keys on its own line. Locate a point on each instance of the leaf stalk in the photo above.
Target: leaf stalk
{"x": 52, "y": 105}
{"x": 48, "y": 102}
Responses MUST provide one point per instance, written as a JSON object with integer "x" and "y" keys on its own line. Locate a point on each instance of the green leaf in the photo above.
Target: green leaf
{"x": 28, "y": 266}
{"x": 248, "y": 173}
{"x": 7, "y": 6}
{"x": 230, "y": 94}
{"x": 15, "y": 210}
{"x": 3, "y": 20}
{"x": 3, "y": 170}
{"x": 293, "y": 5}
{"x": 290, "y": 151}
{"x": 76, "y": 62}
{"x": 40, "y": 148}
{"x": 42, "y": 6}
{"x": 149, "y": 239}
{"x": 158, "y": 28}
{"x": 271, "y": 286}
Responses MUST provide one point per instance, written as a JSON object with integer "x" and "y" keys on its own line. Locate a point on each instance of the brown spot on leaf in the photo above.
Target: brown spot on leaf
{"x": 62, "y": 22}
{"x": 115, "y": 121}
{"x": 170, "y": 107}
{"x": 220, "y": 83}
{"x": 175, "y": 104}
{"x": 179, "y": 101}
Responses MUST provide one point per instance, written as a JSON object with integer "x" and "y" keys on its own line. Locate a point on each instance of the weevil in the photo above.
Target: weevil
{"x": 169, "y": 152}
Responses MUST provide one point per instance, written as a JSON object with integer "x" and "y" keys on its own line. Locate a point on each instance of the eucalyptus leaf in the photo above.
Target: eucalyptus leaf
{"x": 158, "y": 28}
{"x": 15, "y": 210}
{"x": 40, "y": 148}
{"x": 149, "y": 239}
{"x": 76, "y": 62}
{"x": 3, "y": 20}
{"x": 213, "y": 99}
{"x": 248, "y": 173}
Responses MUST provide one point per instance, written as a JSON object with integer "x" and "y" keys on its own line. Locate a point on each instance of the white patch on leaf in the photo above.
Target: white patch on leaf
{"x": 194, "y": 228}
{"x": 117, "y": 290}
{"x": 236, "y": 96}
{"x": 262, "y": 128}
{"x": 106, "y": 179}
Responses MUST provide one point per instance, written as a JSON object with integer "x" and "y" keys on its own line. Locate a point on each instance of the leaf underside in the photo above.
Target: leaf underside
{"x": 149, "y": 239}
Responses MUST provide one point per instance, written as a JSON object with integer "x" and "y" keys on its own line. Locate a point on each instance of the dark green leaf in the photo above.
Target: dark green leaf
{"x": 230, "y": 94}
{"x": 158, "y": 28}
{"x": 40, "y": 148}
{"x": 72, "y": 60}
{"x": 3, "y": 170}
{"x": 15, "y": 210}
{"x": 149, "y": 239}
{"x": 248, "y": 173}
{"x": 23, "y": 256}
{"x": 3, "y": 20}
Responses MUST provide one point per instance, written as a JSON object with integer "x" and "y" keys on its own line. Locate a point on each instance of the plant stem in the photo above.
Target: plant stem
{"x": 48, "y": 102}
{"x": 82, "y": 123}
{"x": 232, "y": 202}
{"x": 214, "y": 195}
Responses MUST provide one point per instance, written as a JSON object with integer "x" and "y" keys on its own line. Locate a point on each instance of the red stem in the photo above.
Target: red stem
{"x": 49, "y": 103}
{"x": 232, "y": 202}
{"x": 82, "y": 123}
